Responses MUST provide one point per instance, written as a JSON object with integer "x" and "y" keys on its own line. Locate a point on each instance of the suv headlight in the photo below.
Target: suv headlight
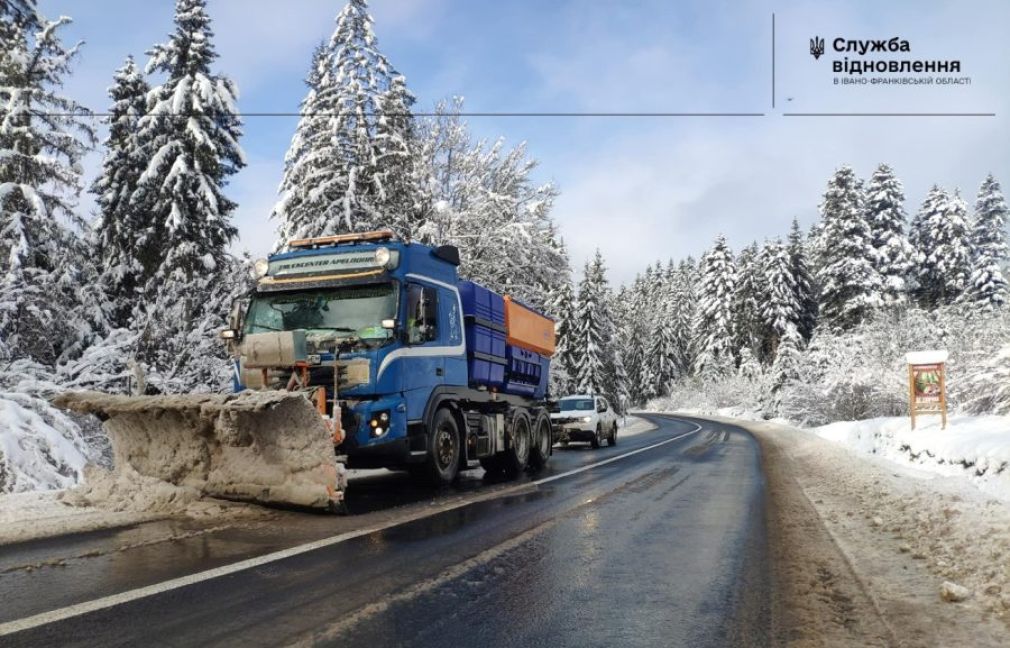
{"x": 587, "y": 419}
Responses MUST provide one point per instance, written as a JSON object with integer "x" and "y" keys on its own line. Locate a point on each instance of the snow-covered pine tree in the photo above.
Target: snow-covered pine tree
{"x": 885, "y": 214}
{"x": 49, "y": 306}
{"x": 661, "y": 353}
{"x": 401, "y": 175}
{"x": 850, "y": 287}
{"x": 121, "y": 228}
{"x": 805, "y": 294}
{"x": 987, "y": 286}
{"x": 563, "y": 370}
{"x": 594, "y": 353}
{"x": 684, "y": 308}
{"x": 634, "y": 329}
{"x": 943, "y": 253}
{"x": 713, "y": 324}
{"x": 307, "y": 192}
{"x": 352, "y": 162}
{"x": 191, "y": 133}
{"x": 785, "y": 369}
{"x": 747, "y": 297}
{"x": 780, "y": 309}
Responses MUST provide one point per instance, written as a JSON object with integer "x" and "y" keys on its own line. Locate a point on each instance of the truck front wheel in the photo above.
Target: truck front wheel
{"x": 443, "y": 449}
{"x": 517, "y": 453}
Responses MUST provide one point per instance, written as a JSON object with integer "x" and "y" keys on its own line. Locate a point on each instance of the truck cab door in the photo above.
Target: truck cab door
{"x": 423, "y": 366}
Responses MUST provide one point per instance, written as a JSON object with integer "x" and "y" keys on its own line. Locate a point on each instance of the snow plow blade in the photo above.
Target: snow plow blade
{"x": 268, "y": 447}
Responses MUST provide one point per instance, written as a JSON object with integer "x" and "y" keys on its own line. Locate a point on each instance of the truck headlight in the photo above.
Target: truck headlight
{"x": 587, "y": 419}
{"x": 379, "y": 424}
{"x": 382, "y": 256}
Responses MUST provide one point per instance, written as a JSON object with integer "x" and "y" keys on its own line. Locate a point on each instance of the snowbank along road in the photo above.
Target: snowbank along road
{"x": 657, "y": 541}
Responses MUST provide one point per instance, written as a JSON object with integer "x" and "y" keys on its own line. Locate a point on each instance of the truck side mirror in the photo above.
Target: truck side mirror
{"x": 236, "y": 318}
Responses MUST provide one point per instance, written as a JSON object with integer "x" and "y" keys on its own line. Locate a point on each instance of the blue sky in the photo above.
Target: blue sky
{"x": 638, "y": 188}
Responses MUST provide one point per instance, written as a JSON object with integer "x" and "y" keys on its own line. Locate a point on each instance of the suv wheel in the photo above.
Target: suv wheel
{"x": 597, "y": 439}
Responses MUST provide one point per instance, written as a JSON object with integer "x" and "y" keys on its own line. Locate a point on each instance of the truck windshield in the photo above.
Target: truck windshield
{"x": 581, "y": 404}
{"x": 327, "y": 314}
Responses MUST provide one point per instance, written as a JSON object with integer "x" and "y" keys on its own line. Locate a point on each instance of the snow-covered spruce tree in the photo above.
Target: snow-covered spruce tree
{"x": 563, "y": 371}
{"x": 191, "y": 132}
{"x": 635, "y": 329}
{"x": 121, "y": 228}
{"x": 352, "y": 163}
{"x": 684, "y": 308}
{"x": 50, "y": 308}
{"x": 785, "y": 369}
{"x": 805, "y": 294}
{"x": 661, "y": 353}
{"x": 748, "y": 294}
{"x": 850, "y": 287}
{"x": 987, "y": 286}
{"x": 780, "y": 310}
{"x": 885, "y": 214}
{"x": 713, "y": 324}
{"x": 598, "y": 368}
{"x": 943, "y": 249}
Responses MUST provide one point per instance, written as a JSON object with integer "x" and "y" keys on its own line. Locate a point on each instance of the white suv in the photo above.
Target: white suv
{"x": 585, "y": 417}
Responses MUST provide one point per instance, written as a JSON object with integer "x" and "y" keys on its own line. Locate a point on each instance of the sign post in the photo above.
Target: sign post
{"x": 927, "y": 386}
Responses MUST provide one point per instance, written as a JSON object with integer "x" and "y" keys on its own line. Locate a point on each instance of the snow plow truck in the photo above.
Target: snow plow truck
{"x": 354, "y": 351}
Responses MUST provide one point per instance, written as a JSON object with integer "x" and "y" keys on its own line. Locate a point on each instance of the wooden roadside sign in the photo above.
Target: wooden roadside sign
{"x": 927, "y": 384}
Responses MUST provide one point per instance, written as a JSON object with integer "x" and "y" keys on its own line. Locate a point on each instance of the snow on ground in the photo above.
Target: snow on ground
{"x": 938, "y": 496}
{"x": 41, "y": 448}
{"x": 27, "y": 516}
{"x": 976, "y": 448}
{"x": 632, "y": 425}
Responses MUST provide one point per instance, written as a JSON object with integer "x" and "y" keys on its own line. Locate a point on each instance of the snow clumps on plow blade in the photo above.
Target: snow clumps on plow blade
{"x": 268, "y": 447}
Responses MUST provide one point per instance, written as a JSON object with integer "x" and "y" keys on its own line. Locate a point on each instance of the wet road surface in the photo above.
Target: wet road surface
{"x": 662, "y": 547}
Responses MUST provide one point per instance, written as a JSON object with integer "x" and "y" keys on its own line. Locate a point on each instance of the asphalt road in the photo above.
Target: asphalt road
{"x": 662, "y": 547}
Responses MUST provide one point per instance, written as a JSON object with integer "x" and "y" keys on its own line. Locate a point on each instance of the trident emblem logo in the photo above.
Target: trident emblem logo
{"x": 816, "y": 47}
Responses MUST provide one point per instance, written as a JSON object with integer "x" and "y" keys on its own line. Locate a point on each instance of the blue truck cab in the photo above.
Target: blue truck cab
{"x": 416, "y": 362}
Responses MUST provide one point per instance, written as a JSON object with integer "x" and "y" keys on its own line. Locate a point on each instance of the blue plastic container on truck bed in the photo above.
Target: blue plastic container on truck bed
{"x": 491, "y": 361}
{"x": 484, "y": 326}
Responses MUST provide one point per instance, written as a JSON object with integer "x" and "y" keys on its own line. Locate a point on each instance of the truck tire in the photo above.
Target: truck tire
{"x": 597, "y": 437}
{"x": 517, "y": 452}
{"x": 612, "y": 441}
{"x": 442, "y": 465}
{"x": 542, "y": 442}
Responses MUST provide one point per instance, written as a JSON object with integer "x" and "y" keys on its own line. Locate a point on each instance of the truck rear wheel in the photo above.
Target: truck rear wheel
{"x": 542, "y": 443}
{"x": 517, "y": 453}
{"x": 442, "y": 465}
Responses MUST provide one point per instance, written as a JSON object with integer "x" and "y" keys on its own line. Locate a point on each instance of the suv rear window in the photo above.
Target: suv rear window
{"x": 582, "y": 404}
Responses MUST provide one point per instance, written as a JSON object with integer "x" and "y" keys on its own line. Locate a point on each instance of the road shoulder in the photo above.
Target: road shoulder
{"x": 859, "y": 557}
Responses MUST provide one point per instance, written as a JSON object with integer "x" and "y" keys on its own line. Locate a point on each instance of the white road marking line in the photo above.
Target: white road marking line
{"x": 606, "y": 461}
{"x": 78, "y": 609}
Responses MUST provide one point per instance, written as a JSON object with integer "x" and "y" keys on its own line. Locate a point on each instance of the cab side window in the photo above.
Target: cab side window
{"x": 422, "y": 314}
